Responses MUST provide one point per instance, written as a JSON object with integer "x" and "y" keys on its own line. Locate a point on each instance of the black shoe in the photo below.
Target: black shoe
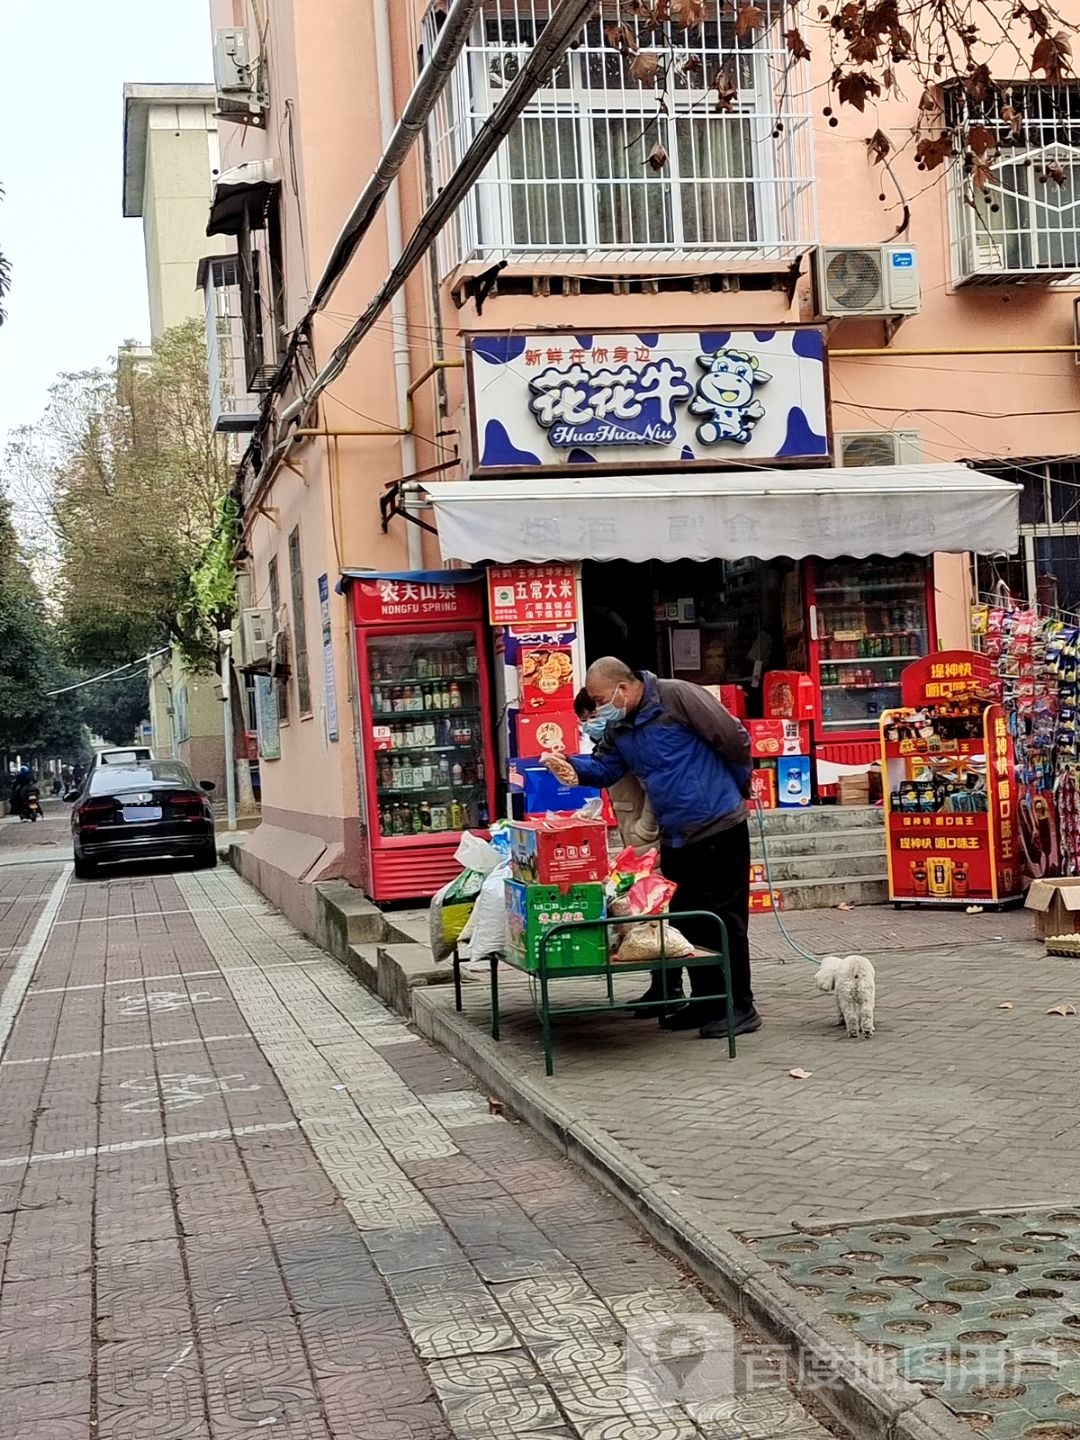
{"x": 654, "y": 1003}
{"x": 691, "y": 1016}
{"x": 746, "y": 1022}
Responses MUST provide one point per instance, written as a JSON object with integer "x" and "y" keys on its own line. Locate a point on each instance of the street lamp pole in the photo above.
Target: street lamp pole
{"x": 225, "y": 637}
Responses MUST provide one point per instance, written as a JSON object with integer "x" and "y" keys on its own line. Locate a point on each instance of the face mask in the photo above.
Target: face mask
{"x": 594, "y": 727}
{"x": 611, "y": 714}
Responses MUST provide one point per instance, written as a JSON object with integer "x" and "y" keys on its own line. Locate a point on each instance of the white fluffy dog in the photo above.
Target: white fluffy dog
{"x": 852, "y": 978}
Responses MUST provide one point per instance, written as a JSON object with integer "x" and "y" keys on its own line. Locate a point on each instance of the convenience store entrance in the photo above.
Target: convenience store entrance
{"x": 715, "y": 622}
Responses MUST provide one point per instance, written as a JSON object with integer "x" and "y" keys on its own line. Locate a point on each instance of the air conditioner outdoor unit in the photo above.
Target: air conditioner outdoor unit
{"x": 878, "y": 447}
{"x": 258, "y": 634}
{"x": 868, "y": 280}
{"x": 233, "y": 71}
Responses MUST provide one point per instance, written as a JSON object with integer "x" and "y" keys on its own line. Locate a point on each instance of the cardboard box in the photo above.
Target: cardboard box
{"x": 787, "y": 695}
{"x": 793, "y": 781}
{"x": 1056, "y": 904}
{"x": 547, "y": 678}
{"x": 763, "y": 786}
{"x": 546, "y": 731}
{"x": 541, "y": 792}
{"x": 766, "y": 899}
{"x": 562, "y": 854}
{"x": 732, "y": 697}
{"x": 531, "y": 909}
{"x": 772, "y": 738}
{"x": 853, "y": 789}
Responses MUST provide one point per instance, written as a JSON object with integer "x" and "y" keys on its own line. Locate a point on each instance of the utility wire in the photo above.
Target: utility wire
{"x": 108, "y": 674}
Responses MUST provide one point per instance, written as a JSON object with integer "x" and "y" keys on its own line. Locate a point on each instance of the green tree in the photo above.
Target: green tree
{"x": 115, "y": 708}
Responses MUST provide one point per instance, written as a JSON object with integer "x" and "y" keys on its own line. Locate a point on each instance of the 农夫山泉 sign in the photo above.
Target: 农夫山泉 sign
{"x": 388, "y": 601}
{"x": 673, "y": 397}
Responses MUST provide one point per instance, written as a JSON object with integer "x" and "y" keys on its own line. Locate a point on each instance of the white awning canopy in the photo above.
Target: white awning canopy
{"x": 865, "y": 510}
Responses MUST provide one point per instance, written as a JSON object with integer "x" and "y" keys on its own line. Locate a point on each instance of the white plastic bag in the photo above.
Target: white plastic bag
{"x": 486, "y": 930}
{"x": 473, "y": 853}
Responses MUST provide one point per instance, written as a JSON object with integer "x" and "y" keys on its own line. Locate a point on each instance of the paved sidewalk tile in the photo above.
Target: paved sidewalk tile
{"x": 238, "y": 1196}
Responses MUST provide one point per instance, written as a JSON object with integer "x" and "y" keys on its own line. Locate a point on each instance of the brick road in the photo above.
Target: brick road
{"x": 238, "y": 1196}
{"x": 954, "y": 1103}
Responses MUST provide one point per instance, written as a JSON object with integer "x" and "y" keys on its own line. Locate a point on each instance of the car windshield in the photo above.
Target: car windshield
{"x": 112, "y": 779}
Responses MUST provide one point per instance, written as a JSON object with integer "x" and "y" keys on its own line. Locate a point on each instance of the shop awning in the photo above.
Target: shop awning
{"x": 244, "y": 188}
{"x": 865, "y": 510}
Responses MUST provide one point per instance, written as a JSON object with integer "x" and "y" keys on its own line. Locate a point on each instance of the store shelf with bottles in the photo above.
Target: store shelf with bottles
{"x": 860, "y": 587}
{"x": 448, "y": 710}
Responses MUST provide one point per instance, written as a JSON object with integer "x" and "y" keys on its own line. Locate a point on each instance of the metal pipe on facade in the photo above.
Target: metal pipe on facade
{"x": 395, "y": 242}
{"x": 398, "y": 139}
{"x": 551, "y": 44}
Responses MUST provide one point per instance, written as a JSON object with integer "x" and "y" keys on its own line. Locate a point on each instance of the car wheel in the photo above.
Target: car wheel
{"x": 84, "y": 869}
{"x": 207, "y": 859}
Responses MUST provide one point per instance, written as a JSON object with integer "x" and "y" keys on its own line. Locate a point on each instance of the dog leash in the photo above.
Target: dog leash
{"x": 804, "y": 954}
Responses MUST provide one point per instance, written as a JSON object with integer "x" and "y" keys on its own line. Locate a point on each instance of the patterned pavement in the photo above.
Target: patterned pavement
{"x": 239, "y": 1197}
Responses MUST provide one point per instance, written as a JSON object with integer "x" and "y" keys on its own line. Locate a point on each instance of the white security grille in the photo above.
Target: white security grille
{"x": 231, "y": 406}
{"x": 1025, "y": 222}
{"x": 573, "y": 176}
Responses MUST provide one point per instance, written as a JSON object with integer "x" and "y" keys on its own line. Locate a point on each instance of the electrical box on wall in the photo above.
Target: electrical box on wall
{"x": 868, "y": 280}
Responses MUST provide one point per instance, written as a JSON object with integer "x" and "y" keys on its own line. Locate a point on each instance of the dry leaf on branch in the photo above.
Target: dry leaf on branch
{"x": 644, "y": 66}
{"x": 657, "y": 157}
{"x": 688, "y": 13}
{"x": 1052, "y": 57}
{"x": 982, "y": 174}
{"x": 979, "y": 83}
{"x": 878, "y": 146}
{"x": 857, "y": 88}
{"x": 748, "y": 17}
{"x": 1013, "y": 119}
{"x": 929, "y": 154}
{"x": 798, "y": 1074}
{"x": 980, "y": 140}
{"x": 726, "y": 92}
{"x": 621, "y": 37}
{"x": 1065, "y": 1010}
{"x": 1055, "y": 172}
{"x": 1005, "y": 1005}
{"x": 797, "y": 46}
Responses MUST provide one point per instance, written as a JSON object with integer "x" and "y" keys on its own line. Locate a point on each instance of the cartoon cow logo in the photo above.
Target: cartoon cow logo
{"x": 725, "y": 396}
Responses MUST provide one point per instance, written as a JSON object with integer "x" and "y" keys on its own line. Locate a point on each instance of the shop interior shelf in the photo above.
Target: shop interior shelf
{"x": 420, "y": 679}
{"x": 427, "y": 789}
{"x": 427, "y": 749}
{"x": 875, "y": 634}
{"x": 403, "y": 714}
{"x": 859, "y": 588}
{"x": 867, "y": 659}
{"x": 881, "y": 685}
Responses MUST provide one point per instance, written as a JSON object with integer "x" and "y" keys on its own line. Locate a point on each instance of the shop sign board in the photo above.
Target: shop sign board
{"x": 533, "y": 596}
{"x": 387, "y": 601}
{"x": 266, "y": 718}
{"x": 666, "y": 399}
{"x": 944, "y": 675}
{"x": 329, "y": 680}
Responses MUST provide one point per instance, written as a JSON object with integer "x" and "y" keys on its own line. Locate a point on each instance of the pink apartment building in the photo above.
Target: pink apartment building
{"x": 714, "y": 416}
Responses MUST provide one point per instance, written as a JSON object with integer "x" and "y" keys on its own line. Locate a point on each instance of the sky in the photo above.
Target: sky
{"x": 79, "y": 283}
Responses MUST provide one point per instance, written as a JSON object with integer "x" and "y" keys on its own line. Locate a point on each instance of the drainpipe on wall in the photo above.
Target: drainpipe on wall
{"x": 395, "y": 244}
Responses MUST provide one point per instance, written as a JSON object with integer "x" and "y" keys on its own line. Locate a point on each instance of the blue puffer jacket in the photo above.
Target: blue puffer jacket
{"x": 691, "y": 755}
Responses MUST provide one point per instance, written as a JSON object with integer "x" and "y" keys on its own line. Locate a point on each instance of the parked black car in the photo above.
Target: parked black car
{"x": 141, "y": 812}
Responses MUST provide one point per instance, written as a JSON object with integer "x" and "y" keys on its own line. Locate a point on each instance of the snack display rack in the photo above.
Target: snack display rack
{"x": 950, "y": 788}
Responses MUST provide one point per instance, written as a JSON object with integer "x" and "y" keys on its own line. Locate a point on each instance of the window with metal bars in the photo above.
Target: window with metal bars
{"x": 574, "y": 174}
{"x": 299, "y": 619}
{"x": 1024, "y": 222}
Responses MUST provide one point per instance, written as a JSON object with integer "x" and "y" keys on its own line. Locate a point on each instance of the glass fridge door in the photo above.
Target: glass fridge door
{"x": 427, "y": 733}
{"x": 871, "y": 623}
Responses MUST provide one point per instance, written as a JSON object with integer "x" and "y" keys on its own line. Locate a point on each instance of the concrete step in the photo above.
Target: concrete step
{"x": 829, "y": 866}
{"x": 817, "y": 819}
{"x": 823, "y": 842}
{"x": 403, "y": 967}
{"x": 825, "y": 894}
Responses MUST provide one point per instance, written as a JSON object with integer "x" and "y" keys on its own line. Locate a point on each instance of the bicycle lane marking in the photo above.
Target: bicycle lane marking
{"x": 19, "y": 982}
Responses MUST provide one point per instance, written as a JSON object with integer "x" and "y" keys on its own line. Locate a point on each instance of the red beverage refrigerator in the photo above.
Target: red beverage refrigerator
{"x": 427, "y": 760}
{"x": 869, "y": 619}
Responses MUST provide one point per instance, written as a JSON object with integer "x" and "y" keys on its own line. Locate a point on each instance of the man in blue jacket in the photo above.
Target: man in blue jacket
{"x": 693, "y": 758}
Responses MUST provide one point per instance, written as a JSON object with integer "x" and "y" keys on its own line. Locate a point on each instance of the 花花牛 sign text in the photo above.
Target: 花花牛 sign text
{"x": 674, "y": 397}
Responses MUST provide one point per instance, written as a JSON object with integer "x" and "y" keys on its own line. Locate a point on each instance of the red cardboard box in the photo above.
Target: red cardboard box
{"x": 569, "y": 852}
{"x": 770, "y": 739}
{"x": 787, "y": 695}
{"x": 547, "y": 678}
{"x": 763, "y": 786}
{"x": 548, "y": 730}
{"x": 732, "y": 697}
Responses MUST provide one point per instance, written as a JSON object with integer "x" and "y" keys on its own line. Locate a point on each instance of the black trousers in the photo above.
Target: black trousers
{"x": 714, "y": 874}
